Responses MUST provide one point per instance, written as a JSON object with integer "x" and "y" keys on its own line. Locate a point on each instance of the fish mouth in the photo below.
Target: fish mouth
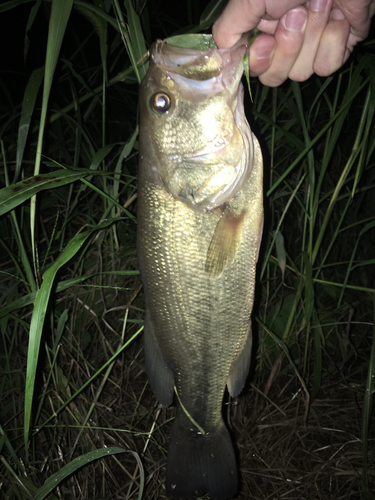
{"x": 218, "y": 152}
{"x": 221, "y": 149}
{"x": 195, "y": 64}
{"x": 209, "y": 157}
{"x": 214, "y": 174}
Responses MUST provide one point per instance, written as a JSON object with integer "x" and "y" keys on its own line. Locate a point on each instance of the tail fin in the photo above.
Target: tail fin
{"x": 198, "y": 463}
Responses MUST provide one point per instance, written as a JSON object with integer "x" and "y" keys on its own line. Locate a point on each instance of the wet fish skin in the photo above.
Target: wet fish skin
{"x": 199, "y": 226}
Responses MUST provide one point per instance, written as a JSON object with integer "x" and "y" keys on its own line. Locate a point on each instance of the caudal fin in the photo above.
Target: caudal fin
{"x": 198, "y": 463}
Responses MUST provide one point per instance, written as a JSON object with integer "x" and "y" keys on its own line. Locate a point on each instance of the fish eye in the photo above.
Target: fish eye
{"x": 161, "y": 102}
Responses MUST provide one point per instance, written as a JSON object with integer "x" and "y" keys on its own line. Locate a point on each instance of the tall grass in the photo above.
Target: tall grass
{"x": 72, "y": 385}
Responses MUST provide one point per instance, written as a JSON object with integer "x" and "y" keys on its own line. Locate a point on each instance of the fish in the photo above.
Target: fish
{"x": 200, "y": 217}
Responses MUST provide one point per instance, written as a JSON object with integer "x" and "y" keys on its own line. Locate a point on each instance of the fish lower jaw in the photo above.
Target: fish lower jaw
{"x": 222, "y": 151}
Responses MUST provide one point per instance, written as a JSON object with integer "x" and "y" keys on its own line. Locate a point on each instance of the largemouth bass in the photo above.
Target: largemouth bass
{"x": 200, "y": 212}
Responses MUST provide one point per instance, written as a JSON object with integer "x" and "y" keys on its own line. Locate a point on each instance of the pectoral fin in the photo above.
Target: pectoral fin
{"x": 240, "y": 368}
{"x": 159, "y": 373}
{"x": 223, "y": 247}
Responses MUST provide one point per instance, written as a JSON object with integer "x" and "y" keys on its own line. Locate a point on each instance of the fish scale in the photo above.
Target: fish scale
{"x": 198, "y": 270}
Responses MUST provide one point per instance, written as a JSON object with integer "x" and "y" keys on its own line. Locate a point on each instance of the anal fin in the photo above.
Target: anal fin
{"x": 159, "y": 373}
{"x": 241, "y": 366}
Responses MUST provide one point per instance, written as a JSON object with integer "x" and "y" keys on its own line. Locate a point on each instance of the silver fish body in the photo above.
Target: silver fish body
{"x": 200, "y": 212}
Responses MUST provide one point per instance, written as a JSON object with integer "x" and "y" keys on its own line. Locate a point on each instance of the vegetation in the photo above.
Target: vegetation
{"x": 72, "y": 383}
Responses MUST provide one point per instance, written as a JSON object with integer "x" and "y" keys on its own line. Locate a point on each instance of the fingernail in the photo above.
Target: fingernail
{"x": 337, "y": 15}
{"x": 317, "y": 5}
{"x": 295, "y": 20}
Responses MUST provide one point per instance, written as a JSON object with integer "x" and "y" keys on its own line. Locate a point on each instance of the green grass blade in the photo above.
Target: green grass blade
{"x": 89, "y": 381}
{"x": 349, "y": 287}
{"x": 137, "y": 39}
{"x": 100, "y": 155}
{"x": 310, "y": 162}
{"x": 12, "y": 452}
{"x": 192, "y": 41}
{"x": 81, "y": 461}
{"x": 126, "y": 150}
{"x": 200, "y": 429}
{"x": 38, "y": 316}
{"x": 309, "y": 288}
{"x": 12, "y": 4}
{"x": 368, "y": 404}
{"x": 126, "y": 38}
{"x": 349, "y": 164}
{"x": 350, "y": 268}
{"x": 60, "y": 13}
{"x": 102, "y": 28}
{"x": 33, "y": 12}
{"x": 321, "y": 93}
{"x": 355, "y": 150}
{"x": 14, "y": 195}
{"x": 284, "y": 347}
{"x": 28, "y": 105}
{"x": 31, "y": 284}
{"x": 97, "y": 11}
{"x": 370, "y": 120}
{"x": 111, "y": 200}
{"x": 333, "y": 237}
{"x": 212, "y": 11}
{"x": 317, "y": 137}
{"x": 29, "y": 298}
{"x": 247, "y": 73}
{"x": 318, "y": 362}
{"x": 21, "y": 482}
{"x": 280, "y": 252}
{"x": 19, "y": 273}
{"x": 279, "y": 225}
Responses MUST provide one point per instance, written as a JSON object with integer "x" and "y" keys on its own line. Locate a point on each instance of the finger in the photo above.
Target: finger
{"x": 260, "y": 56}
{"x": 359, "y": 20}
{"x": 236, "y": 19}
{"x": 241, "y": 16}
{"x": 318, "y": 14}
{"x": 289, "y": 39}
{"x": 268, "y": 26}
{"x": 358, "y": 13}
{"x": 332, "y": 49}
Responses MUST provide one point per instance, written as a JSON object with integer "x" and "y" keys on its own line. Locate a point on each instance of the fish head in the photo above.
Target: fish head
{"x": 192, "y": 121}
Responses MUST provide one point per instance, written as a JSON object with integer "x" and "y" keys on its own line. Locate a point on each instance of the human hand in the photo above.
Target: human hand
{"x": 298, "y": 38}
